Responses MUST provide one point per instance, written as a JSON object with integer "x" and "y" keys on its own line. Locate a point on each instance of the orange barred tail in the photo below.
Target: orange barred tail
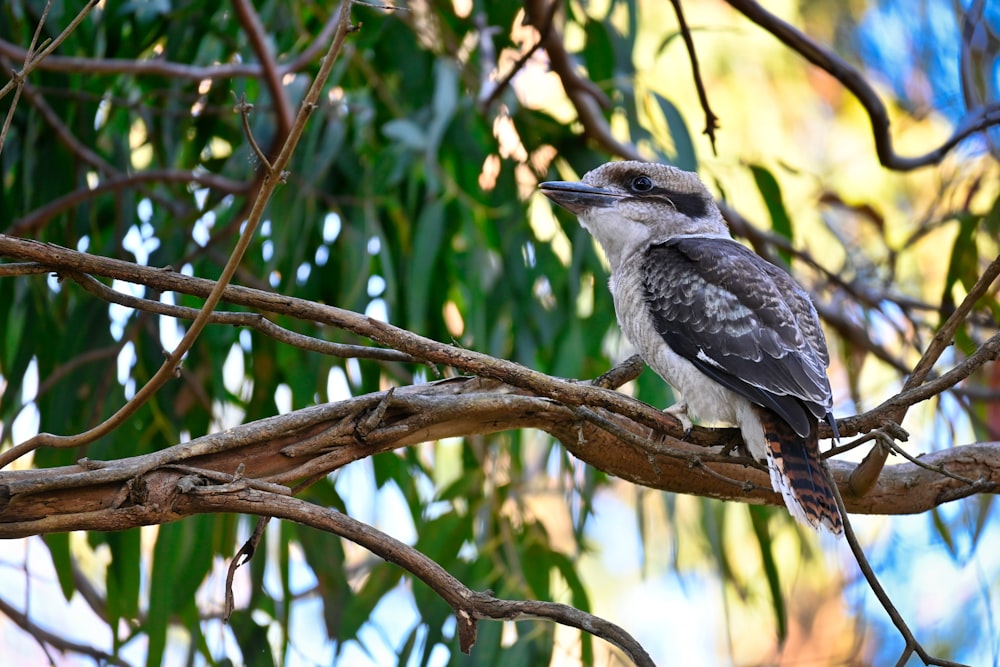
{"x": 797, "y": 473}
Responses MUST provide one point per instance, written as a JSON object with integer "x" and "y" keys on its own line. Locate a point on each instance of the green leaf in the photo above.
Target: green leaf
{"x": 407, "y": 133}
{"x": 62, "y": 559}
{"x": 758, "y": 518}
{"x": 324, "y": 552}
{"x": 684, "y": 155}
{"x": 427, "y": 246}
{"x": 182, "y": 558}
{"x": 598, "y": 53}
{"x": 963, "y": 260}
{"x": 943, "y": 530}
{"x": 382, "y": 579}
{"x": 252, "y": 639}
{"x": 123, "y": 575}
{"x": 771, "y": 192}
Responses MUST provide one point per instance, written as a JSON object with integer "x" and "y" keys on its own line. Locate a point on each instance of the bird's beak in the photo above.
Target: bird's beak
{"x": 577, "y": 197}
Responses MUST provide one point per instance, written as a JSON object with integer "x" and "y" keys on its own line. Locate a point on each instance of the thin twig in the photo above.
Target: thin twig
{"x": 874, "y": 434}
{"x": 58, "y": 641}
{"x": 38, "y": 218}
{"x": 66, "y": 136}
{"x": 711, "y": 120}
{"x": 254, "y": 29}
{"x": 32, "y": 60}
{"x": 18, "y": 77}
{"x": 543, "y": 27}
{"x": 585, "y": 96}
{"x": 824, "y": 58}
{"x": 243, "y": 108}
{"x": 941, "y": 470}
{"x": 866, "y": 473}
{"x": 912, "y": 645}
{"x": 243, "y": 556}
{"x": 988, "y": 351}
{"x": 945, "y": 335}
{"x": 254, "y": 321}
{"x": 169, "y": 367}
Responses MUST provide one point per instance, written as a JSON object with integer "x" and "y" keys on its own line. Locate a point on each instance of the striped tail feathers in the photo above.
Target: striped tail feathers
{"x": 797, "y": 472}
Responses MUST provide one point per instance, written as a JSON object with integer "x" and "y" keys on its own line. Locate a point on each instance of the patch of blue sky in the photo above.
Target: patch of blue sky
{"x": 945, "y": 598}
{"x": 915, "y": 48}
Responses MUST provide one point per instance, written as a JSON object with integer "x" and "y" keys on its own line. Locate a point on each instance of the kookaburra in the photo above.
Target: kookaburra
{"x": 735, "y": 336}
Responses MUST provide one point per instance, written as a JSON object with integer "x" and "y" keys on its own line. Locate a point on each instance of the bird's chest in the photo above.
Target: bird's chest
{"x": 705, "y": 397}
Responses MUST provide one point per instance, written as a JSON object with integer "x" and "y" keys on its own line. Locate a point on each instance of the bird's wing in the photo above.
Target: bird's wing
{"x": 741, "y": 321}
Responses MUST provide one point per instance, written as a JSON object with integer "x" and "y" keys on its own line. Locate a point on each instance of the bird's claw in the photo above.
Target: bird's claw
{"x": 679, "y": 411}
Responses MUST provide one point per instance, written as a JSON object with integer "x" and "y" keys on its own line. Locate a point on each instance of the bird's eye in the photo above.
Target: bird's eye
{"x": 641, "y": 184}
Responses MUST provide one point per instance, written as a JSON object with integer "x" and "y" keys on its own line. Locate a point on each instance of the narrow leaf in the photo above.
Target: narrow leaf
{"x": 758, "y": 518}
{"x": 771, "y": 192}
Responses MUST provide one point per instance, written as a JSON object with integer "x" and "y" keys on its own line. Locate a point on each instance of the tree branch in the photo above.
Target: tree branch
{"x": 106, "y": 495}
{"x": 711, "y": 120}
{"x": 254, "y": 321}
{"x": 57, "y": 641}
{"x": 821, "y": 56}
{"x": 268, "y": 185}
{"x": 39, "y": 217}
{"x": 469, "y": 606}
{"x": 912, "y": 645}
{"x": 64, "y": 260}
{"x": 254, "y": 30}
{"x": 31, "y": 59}
{"x": 586, "y": 98}
{"x": 866, "y": 473}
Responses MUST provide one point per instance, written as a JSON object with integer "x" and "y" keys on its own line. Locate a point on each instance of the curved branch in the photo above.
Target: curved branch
{"x": 585, "y": 96}
{"x": 469, "y": 606}
{"x": 254, "y": 321}
{"x": 32, "y": 222}
{"x": 385, "y": 334}
{"x": 65, "y": 260}
{"x": 98, "y": 495}
{"x": 711, "y": 120}
{"x": 543, "y": 26}
{"x": 821, "y": 56}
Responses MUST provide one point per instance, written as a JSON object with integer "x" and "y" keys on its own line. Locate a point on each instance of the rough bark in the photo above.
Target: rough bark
{"x": 275, "y": 452}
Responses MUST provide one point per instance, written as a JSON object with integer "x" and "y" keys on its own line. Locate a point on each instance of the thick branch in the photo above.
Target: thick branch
{"x": 111, "y": 495}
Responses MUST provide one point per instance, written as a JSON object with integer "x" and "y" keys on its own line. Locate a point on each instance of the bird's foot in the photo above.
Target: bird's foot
{"x": 679, "y": 411}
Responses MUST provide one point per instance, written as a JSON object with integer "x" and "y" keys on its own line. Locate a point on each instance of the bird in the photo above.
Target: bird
{"x": 735, "y": 336}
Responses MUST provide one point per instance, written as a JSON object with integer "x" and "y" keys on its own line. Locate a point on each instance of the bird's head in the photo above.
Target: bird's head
{"x": 628, "y": 205}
